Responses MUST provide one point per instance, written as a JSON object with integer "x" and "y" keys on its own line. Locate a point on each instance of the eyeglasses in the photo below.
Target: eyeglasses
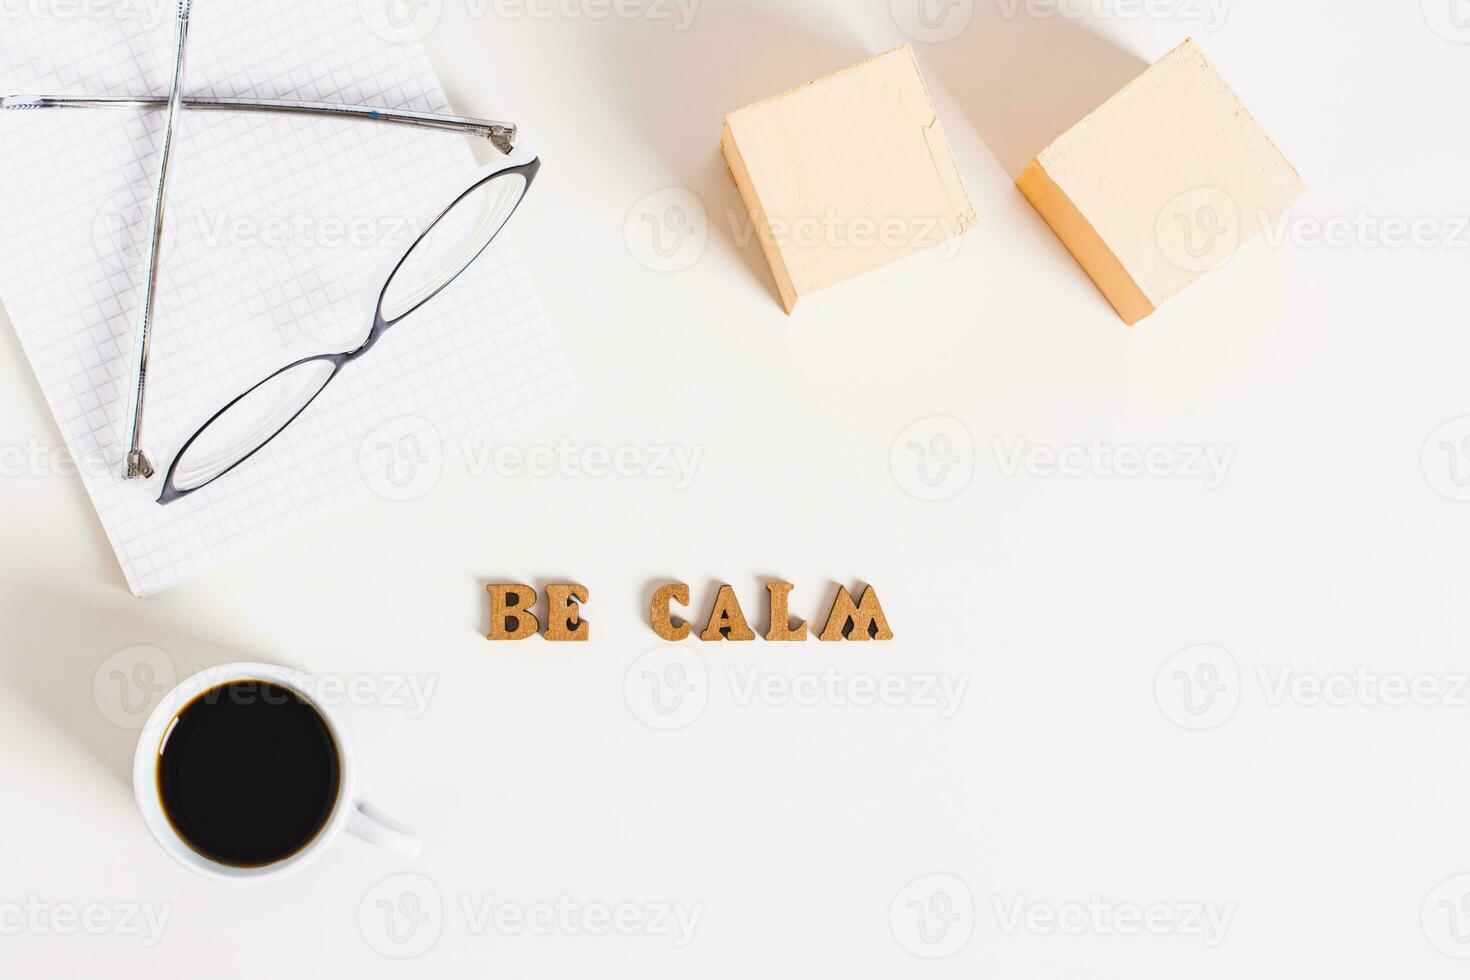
{"x": 447, "y": 246}
{"x": 137, "y": 466}
{"x": 502, "y": 134}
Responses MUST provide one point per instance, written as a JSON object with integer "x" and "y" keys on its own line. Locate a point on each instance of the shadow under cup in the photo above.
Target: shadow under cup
{"x": 248, "y": 773}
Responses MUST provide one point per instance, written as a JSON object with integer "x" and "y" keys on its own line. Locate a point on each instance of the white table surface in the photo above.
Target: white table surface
{"x": 1327, "y": 832}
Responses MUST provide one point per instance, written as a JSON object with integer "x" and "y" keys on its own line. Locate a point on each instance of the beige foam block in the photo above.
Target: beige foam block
{"x": 1162, "y": 183}
{"x": 847, "y": 174}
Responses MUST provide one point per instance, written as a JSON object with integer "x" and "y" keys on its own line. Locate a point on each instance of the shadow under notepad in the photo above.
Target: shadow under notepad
{"x": 105, "y": 565}
{"x": 1024, "y": 80}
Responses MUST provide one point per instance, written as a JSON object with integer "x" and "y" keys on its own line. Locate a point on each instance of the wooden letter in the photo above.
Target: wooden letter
{"x": 510, "y": 612}
{"x": 854, "y": 622}
{"x": 564, "y": 622}
{"x": 781, "y": 629}
{"x": 726, "y": 619}
{"x": 663, "y": 621}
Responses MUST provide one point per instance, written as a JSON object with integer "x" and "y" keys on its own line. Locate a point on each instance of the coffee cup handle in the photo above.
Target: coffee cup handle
{"x": 376, "y": 827}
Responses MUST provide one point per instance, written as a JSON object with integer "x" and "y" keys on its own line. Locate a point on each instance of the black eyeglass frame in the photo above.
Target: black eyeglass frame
{"x": 171, "y": 492}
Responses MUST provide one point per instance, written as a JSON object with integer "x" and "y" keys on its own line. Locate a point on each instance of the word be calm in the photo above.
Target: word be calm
{"x": 512, "y": 618}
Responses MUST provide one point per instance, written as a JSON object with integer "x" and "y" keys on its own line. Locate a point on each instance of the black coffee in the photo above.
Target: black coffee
{"x": 248, "y": 773}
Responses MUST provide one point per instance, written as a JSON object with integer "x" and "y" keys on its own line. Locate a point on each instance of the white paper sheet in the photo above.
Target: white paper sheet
{"x": 278, "y": 232}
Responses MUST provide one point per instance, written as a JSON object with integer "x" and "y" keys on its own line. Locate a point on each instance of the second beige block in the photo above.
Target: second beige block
{"x": 1161, "y": 184}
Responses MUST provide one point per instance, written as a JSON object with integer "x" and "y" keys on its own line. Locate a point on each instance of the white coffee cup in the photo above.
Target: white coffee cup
{"x": 349, "y": 814}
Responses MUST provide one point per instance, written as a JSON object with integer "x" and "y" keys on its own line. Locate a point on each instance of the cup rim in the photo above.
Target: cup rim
{"x": 145, "y": 782}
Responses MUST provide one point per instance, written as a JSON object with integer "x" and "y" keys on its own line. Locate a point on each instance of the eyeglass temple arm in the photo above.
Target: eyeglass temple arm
{"x": 502, "y": 134}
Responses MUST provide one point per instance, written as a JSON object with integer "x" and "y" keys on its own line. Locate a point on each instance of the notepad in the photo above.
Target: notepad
{"x": 279, "y": 230}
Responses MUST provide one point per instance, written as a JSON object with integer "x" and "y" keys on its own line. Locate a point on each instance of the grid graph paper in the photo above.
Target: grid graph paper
{"x": 278, "y": 233}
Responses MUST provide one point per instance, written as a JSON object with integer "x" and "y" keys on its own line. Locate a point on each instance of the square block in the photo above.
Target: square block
{"x": 847, "y": 174}
{"x": 1161, "y": 184}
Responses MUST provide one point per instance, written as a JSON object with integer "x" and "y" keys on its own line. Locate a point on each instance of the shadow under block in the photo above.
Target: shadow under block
{"x": 847, "y": 174}
{"x": 1161, "y": 184}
